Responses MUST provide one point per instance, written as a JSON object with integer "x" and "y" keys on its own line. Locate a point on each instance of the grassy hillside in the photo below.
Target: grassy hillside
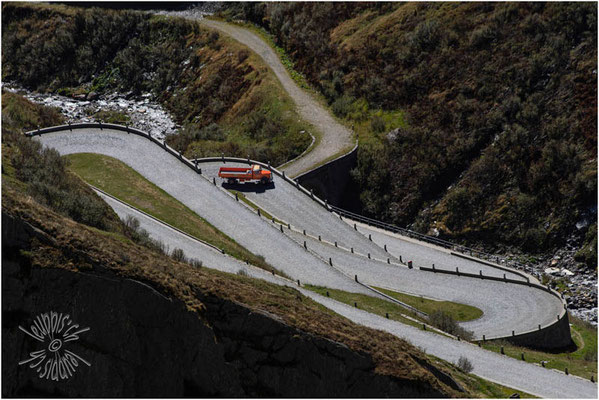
{"x": 475, "y": 119}
{"x": 223, "y": 96}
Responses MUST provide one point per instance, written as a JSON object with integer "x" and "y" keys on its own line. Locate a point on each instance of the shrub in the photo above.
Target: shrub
{"x": 377, "y": 124}
{"x": 464, "y": 364}
{"x": 178, "y": 255}
{"x": 242, "y": 272}
{"x": 446, "y": 323}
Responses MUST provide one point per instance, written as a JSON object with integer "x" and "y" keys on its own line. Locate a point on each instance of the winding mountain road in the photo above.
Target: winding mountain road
{"x": 334, "y": 137}
{"x": 492, "y": 366}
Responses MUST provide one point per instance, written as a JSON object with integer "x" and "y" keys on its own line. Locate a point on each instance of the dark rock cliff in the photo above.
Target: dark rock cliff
{"x": 142, "y": 343}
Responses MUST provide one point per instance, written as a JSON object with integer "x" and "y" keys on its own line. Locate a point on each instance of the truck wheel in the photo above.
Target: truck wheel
{"x": 264, "y": 181}
{"x": 231, "y": 181}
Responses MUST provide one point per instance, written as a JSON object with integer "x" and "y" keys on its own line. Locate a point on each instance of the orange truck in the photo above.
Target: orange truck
{"x": 252, "y": 173}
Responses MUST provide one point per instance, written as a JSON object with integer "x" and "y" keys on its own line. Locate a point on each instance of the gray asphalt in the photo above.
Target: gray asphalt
{"x": 506, "y": 307}
{"x": 213, "y": 204}
{"x": 424, "y": 254}
{"x": 492, "y": 366}
{"x": 284, "y": 201}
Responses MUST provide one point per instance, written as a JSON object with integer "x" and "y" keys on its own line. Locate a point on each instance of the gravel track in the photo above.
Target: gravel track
{"x": 334, "y": 136}
{"x": 222, "y": 211}
{"x": 506, "y": 307}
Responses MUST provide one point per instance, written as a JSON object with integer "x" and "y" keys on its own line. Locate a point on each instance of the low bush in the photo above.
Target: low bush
{"x": 464, "y": 364}
{"x": 446, "y": 323}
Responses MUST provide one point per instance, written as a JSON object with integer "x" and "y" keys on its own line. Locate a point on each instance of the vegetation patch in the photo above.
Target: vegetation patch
{"x": 459, "y": 312}
{"x": 581, "y": 362}
{"x": 202, "y": 78}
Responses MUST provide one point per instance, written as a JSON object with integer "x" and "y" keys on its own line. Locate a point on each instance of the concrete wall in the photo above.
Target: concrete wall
{"x": 331, "y": 180}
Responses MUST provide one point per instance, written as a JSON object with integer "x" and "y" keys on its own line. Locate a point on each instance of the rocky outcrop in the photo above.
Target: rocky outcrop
{"x": 144, "y": 343}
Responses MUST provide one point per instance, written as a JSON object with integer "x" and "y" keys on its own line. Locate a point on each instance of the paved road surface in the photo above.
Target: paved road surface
{"x": 208, "y": 201}
{"x": 491, "y": 366}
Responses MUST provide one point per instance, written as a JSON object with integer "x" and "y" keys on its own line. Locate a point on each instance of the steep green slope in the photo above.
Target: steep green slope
{"x": 224, "y": 97}
{"x": 498, "y": 139}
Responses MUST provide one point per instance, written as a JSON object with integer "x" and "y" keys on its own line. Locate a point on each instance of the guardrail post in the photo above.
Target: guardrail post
{"x": 259, "y": 213}
{"x": 385, "y": 246}
{"x": 566, "y": 370}
{"x": 305, "y": 245}
{"x": 356, "y": 277}
{"x": 458, "y": 338}
{"x": 401, "y": 261}
{"x": 522, "y": 356}
{"x": 281, "y": 227}
{"x": 457, "y": 271}
{"x": 298, "y": 283}
{"x": 70, "y": 128}
{"x": 355, "y": 227}
{"x": 370, "y": 237}
{"x": 336, "y": 244}
{"x": 328, "y": 295}
{"x": 312, "y": 193}
{"x": 236, "y": 197}
{"x": 273, "y": 220}
{"x": 288, "y": 226}
{"x": 319, "y": 238}
{"x": 558, "y": 317}
{"x": 479, "y": 345}
{"x": 543, "y": 364}
{"x": 502, "y": 352}
{"x": 38, "y": 130}
{"x": 528, "y": 281}
{"x": 369, "y": 256}
{"x": 223, "y": 251}
{"x": 304, "y": 232}
{"x": 410, "y": 264}
{"x": 480, "y": 272}
{"x": 273, "y": 272}
{"x": 388, "y": 261}
{"x": 513, "y": 333}
{"x": 352, "y": 250}
{"x": 100, "y": 122}
{"x": 504, "y": 278}
{"x": 356, "y": 305}
{"x": 214, "y": 182}
{"x": 593, "y": 378}
{"x": 387, "y": 316}
{"x": 484, "y": 339}
{"x": 269, "y": 165}
{"x": 297, "y": 184}
{"x": 200, "y": 171}
{"x": 424, "y": 327}
{"x": 284, "y": 175}
{"x": 539, "y": 326}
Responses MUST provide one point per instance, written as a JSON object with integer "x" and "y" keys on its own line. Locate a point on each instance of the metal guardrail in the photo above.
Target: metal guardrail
{"x": 429, "y": 239}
